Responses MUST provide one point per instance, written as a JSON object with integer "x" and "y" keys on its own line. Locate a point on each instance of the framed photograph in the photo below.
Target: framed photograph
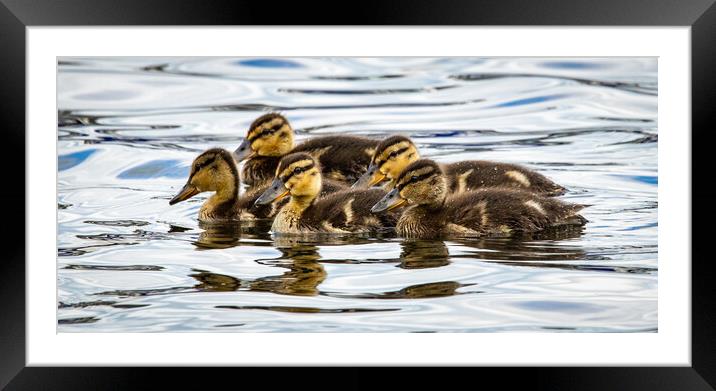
{"x": 429, "y": 186}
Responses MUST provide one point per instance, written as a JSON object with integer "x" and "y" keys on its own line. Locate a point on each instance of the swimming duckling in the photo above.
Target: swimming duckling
{"x": 215, "y": 170}
{"x": 299, "y": 175}
{"x": 394, "y": 153}
{"x": 270, "y": 137}
{"x": 490, "y": 211}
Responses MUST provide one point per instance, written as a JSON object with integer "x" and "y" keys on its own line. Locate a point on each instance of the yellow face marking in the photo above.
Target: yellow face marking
{"x": 266, "y": 125}
{"x": 288, "y": 170}
{"x": 518, "y": 177}
{"x": 206, "y": 179}
{"x": 385, "y": 155}
{"x": 393, "y": 160}
{"x": 276, "y": 143}
{"x": 421, "y": 171}
{"x": 302, "y": 179}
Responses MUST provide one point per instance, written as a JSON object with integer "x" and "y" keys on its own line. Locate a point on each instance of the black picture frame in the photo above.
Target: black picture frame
{"x": 16, "y": 15}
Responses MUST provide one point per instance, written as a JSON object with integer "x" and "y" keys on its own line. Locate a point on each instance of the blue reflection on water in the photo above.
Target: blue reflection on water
{"x": 652, "y": 180}
{"x": 269, "y": 63}
{"x": 638, "y": 227}
{"x": 527, "y": 101}
{"x": 65, "y": 162}
{"x": 560, "y": 306}
{"x": 573, "y": 65}
{"x": 648, "y": 179}
{"x": 156, "y": 169}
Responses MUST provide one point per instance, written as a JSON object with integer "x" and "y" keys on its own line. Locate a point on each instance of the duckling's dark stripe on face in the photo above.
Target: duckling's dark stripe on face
{"x": 395, "y": 148}
{"x": 398, "y": 152}
{"x": 268, "y": 131}
{"x": 418, "y": 169}
{"x": 204, "y": 163}
{"x": 296, "y": 169}
{"x": 266, "y": 118}
{"x": 415, "y": 178}
{"x": 389, "y": 142}
{"x": 291, "y": 159}
{"x": 209, "y": 157}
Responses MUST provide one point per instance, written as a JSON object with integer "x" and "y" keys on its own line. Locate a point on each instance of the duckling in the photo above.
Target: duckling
{"x": 215, "y": 170}
{"x": 490, "y": 211}
{"x": 299, "y": 175}
{"x": 394, "y": 153}
{"x": 270, "y": 137}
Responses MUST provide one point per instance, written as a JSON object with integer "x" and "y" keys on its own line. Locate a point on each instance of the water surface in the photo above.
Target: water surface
{"x": 128, "y": 129}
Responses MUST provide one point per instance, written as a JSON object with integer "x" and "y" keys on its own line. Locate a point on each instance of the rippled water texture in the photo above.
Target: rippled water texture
{"x": 129, "y": 127}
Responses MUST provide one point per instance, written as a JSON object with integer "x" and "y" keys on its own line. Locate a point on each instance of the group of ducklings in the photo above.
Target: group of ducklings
{"x": 326, "y": 185}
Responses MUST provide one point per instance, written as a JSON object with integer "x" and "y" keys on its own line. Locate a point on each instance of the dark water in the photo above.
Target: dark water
{"x": 129, "y": 128}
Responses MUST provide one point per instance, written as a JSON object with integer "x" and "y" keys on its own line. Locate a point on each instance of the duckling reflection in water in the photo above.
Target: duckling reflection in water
{"x": 270, "y": 137}
{"x": 215, "y": 170}
{"x": 422, "y": 254}
{"x": 219, "y": 235}
{"x": 434, "y": 213}
{"x": 299, "y": 175}
{"x": 395, "y": 153}
{"x": 302, "y": 278}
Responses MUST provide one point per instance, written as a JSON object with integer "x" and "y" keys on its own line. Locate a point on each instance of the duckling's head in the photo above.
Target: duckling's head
{"x": 268, "y": 135}
{"x": 391, "y": 157}
{"x": 299, "y": 175}
{"x": 421, "y": 183}
{"x": 213, "y": 170}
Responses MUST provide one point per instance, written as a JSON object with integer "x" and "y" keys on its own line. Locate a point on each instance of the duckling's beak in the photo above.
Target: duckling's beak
{"x": 186, "y": 192}
{"x": 370, "y": 178}
{"x": 391, "y": 201}
{"x": 244, "y": 151}
{"x": 275, "y": 192}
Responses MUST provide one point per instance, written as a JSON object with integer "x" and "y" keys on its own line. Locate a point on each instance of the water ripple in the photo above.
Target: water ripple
{"x": 128, "y": 129}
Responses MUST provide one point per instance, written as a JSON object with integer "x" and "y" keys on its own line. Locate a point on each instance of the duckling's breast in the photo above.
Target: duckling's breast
{"x": 420, "y": 222}
{"x": 286, "y": 222}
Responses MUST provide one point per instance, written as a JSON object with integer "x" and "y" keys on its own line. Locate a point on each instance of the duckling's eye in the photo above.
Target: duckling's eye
{"x": 298, "y": 170}
{"x": 414, "y": 178}
{"x": 393, "y": 154}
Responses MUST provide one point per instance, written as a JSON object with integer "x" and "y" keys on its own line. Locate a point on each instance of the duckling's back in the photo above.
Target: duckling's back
{"x": 349, "y": 211}
{"x": 342, "y": 158}
{"x": 477, "y": 174}
{"x": 504, "y": 211}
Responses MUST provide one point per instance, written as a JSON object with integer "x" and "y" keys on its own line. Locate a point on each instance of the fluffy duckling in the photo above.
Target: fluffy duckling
{"x": 394, "y": 153}
{"x": 490, "y": 211}
{"x": 215, "y": 170}
{"x": 299, "y": 175}
{"x": 270, "y": 137}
